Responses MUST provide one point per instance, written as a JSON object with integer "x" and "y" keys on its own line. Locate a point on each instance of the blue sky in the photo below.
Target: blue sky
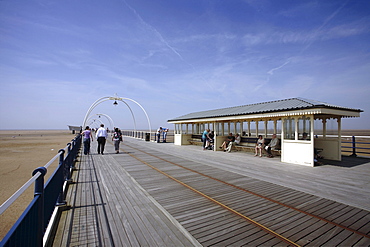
{"x": 177, "y": 57}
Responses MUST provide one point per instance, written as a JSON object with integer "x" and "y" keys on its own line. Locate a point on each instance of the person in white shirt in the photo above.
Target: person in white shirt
{"x": 159, "y": 131}
{"x": 274, "y": 144}
{"x": 101, "y": 136}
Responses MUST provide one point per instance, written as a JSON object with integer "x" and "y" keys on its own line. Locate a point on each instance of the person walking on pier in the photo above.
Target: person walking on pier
{"x": 117, "y": 138}
{"x": 87, "y": 139}
{"x": 101, "y": 136}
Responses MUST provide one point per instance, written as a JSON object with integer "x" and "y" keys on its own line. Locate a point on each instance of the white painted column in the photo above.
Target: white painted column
{"x": 339, "y": 120}
{"x": 266, "y": 128}
{"x": 295, "y": 129}
{"x": 312, "y": 129}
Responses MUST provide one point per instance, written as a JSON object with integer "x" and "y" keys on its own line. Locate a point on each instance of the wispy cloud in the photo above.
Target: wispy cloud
{"x": 318, "y": 32}
{"x": 271, "y": 72}
{"x": 154, "y": 30}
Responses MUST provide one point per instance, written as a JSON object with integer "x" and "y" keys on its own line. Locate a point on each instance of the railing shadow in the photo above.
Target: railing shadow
{"x": 347, "y": 162}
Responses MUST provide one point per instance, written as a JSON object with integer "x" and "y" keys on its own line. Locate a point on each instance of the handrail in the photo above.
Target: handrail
{"x": 24, "y": 187}
{"x": 354, "y": 147}
{"x": 19, "y": 192}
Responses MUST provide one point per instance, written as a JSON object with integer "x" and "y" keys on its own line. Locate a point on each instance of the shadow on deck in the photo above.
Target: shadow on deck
{"x": 347, "y": 162}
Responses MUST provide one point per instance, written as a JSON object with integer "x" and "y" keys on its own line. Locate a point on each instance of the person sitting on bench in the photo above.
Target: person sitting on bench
{"x": 235, "y": 142}
{"x": 237, "y": 139}
{"x": 225, "y": 144}
{"x": 274, "y": 144}
{"x": 259, "y": 145}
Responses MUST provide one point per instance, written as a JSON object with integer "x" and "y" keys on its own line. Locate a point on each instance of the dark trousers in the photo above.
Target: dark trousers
{"x": 204, "y": 140}
{"x": 86, "y": 145}
{"x": 101, "y": 144}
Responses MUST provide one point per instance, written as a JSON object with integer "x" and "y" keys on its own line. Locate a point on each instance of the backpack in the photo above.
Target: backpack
{"x": 117, "y": 135}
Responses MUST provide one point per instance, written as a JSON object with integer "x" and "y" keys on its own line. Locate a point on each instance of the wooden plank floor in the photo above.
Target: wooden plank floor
{"x": 118, "y": 200}
{"x": 108, "y": 208}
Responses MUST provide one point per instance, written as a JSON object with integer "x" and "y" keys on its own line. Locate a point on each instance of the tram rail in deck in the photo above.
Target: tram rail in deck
{"x": 216, "y": 207}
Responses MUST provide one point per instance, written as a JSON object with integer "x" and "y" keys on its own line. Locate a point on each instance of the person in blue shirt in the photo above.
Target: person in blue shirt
{"x": 205, "y": 137}
{"x": 165, "y": 130}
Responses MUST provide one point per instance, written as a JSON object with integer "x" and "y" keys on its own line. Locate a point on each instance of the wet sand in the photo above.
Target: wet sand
{"x": 21, "y": 152}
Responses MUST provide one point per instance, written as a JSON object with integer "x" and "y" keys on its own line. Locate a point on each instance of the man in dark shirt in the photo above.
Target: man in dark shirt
{"x": 225, "y": 144}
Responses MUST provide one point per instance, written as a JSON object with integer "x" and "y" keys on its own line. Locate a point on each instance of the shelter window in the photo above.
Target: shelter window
{"x": 289, "y": 128}
{"x": 304, "y": 128}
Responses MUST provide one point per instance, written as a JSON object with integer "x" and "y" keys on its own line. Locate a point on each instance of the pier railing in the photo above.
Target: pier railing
{"x": 147, "y": 136}
{"x": 30, "y": 228}
{"x": 356, "y": 146}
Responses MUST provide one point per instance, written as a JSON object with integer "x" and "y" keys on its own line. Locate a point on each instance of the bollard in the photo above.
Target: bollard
{"x": 147, "y": 137}
{"x": 39, "y": 191}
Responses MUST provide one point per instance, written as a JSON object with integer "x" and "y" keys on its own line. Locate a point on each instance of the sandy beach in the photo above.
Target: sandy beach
{"x": 21, "y": 152}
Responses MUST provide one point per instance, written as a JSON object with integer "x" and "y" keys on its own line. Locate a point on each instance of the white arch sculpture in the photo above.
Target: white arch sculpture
{"x": 91, "y": 122}
{"x": 101, "y": 114}
{"x": 103, "y": 99}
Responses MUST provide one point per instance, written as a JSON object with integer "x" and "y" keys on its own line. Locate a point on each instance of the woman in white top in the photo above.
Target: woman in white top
{"x": 259, "y": 145}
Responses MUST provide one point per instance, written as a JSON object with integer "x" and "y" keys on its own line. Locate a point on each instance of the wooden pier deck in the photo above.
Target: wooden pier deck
{"x": 158, "y": 194}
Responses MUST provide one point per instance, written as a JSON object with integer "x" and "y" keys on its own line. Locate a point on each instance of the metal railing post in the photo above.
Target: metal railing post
{"x": 353, "y": 147}
{"x": 74, "y": 154}
{"x": 39, "y": 191}
{"x": 61, "y": 200}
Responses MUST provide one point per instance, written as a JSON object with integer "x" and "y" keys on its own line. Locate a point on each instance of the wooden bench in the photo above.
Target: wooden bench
{"x": 249, "y": 144}
{"x": 196, "y": 140}
{"x": 246, "y": 144}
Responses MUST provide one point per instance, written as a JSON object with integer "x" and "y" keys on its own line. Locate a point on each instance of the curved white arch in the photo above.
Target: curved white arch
{"x": 132, "y": 114}
{"x": 108, "y": 117}
{"x": 142, "y": 108}
{"x": 103, "y": 99}
{"x": 93, "y": 105}
{"x": 110, "y": 120}
{"x": 93, "y": 122}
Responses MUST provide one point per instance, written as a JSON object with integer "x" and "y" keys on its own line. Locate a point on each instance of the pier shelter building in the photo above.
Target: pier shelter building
{"x": 302, "y": 125}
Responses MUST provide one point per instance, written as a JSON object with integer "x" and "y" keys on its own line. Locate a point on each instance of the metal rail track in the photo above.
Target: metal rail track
{"x": 294, "y": 218}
